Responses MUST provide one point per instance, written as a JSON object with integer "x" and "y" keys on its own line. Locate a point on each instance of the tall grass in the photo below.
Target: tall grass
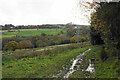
{"x": 15, "y": 55}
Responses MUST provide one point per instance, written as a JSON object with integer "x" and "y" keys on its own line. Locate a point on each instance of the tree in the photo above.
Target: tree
{"x": 73, "y": 39}
{"x": 12, "y": 45}
{"x": 105, "y": 26}
{"x": 25, "y": 44}
{"x": 41, "y": 43}
{"x": 43, "y": 34}
{"x": 71, "y": 32}
{"x": 34, "y": 39}
{"x": 96, "y": 29}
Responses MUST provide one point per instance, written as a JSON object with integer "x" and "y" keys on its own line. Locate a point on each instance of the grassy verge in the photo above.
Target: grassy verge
{"x": 23, "y": 53}
{"x": 40, "y": 66}
{"x": 36, "y": 49}
{"x": 103, "y": 69}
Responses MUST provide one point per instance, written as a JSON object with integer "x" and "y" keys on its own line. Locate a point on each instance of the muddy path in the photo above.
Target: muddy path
{"x": 77, "y": 63}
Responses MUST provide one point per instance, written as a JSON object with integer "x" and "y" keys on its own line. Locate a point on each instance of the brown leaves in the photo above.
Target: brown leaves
{"x": 25, "y": 44}
{"x": 12, "y": 45}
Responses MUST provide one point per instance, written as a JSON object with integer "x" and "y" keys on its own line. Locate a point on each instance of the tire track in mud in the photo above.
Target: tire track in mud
{"x": 76, "y": 64}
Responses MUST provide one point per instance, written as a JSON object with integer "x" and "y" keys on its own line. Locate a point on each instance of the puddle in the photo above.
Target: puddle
{"x": 76, "y": 64}
{"x": 91, "y": 68}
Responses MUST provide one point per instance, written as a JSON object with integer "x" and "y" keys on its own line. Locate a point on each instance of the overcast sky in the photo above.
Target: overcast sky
{"x": 36, "y": 12}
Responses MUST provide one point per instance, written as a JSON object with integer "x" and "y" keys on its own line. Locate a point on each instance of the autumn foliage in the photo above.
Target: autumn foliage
{"x": 25, "y": 44}
{"x": 73, "y": 39}
{"x": 12, "y": 45}
{"x": 105, "y": 27}
{"x": 72, "y": 35}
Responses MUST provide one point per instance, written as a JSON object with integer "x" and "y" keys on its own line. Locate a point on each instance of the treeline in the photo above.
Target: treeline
{"x": 44, "y": 26}
{"x": 72, "y": 36}
{"x": 10, "y": 26}
{"x": 105, "y": 29}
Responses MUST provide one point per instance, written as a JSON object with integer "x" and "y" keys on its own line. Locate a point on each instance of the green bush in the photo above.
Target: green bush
{"x": 103, "y": 54}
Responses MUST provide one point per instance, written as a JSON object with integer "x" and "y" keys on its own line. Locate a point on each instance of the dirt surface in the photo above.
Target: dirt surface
{"x": 78, "y": 63}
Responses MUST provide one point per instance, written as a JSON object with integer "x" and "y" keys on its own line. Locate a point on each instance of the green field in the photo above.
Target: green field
{"x": 29, "y": 32}
{"x": 39, "y": 66}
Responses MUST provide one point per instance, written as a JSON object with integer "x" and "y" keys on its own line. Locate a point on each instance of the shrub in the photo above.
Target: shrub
{"x": 103, "y": 54}
{"x": 73, "y": 39}
{"x": 12, "y": 45}
{"x": 25, "y": 44}
{"x": 41, "y": 43}
{"x": 43, "y": 34}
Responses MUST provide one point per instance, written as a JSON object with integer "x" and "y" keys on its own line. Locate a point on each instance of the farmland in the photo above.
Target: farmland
{"x": 42, "y": 53}
{"x": 42, "y": 65}
{"x": 64, "y": 51}
{"x": 29, "y": 32}
{"x": 48, "y": 61}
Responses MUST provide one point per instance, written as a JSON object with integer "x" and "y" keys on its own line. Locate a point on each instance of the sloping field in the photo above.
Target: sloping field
{"x": 44, "y": 65}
